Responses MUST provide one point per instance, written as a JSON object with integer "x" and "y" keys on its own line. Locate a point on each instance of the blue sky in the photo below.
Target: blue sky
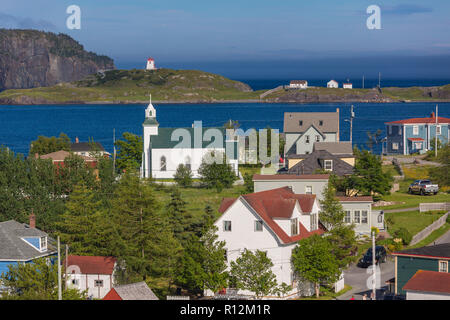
{"x": 209, "y": 31}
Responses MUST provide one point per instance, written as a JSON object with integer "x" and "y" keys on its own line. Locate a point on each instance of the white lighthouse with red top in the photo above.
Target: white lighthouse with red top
{"x": 151, "y": 64}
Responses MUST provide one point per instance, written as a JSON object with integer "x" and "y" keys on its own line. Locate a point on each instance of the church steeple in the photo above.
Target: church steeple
{"x": 150, "y": 112}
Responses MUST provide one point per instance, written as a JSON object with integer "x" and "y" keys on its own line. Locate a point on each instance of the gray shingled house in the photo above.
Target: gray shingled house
{"x": 22, "y": 243}
{"x": 318, "y": 161}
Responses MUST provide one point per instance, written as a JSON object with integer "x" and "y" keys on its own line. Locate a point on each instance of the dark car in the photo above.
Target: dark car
{"x": 366, "y": 260}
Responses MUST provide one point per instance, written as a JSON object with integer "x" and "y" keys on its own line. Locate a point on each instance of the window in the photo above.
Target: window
{"x": 308, "y": 190}
{"x": 314, "y": 222}
{"x": 415, "y": 130}
{"x": 328, "y": 165}
{"x": 347, "y": 218}
{"x": 43, "y": 243}
{"x": 443, "y": 266}
{"x": 321, "y": 123}
{"x": 307, "y": 139}
{"x": 258, "y": 225}
{"x": 380, "y": 218}
{"x": 163, "y": 164}
{"x": 317, "y": 138}
{"x": 188, "y": 163}
{"x": 227, "y": 226}
{"x": 394, "y": 145}
{"x": 364, "y": 216}
{"x": 300, "y": 123}
{"x": 418, "y": 145}
{"x": 75, "y": 282}
{"x": 98, "y": 283}
{"x": 294, "y": 227}
{"x": 357, "y": 217}
{"x": 438, "y": 130}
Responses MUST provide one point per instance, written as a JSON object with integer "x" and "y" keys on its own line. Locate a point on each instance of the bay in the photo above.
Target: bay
{"x": 19, "y": 125}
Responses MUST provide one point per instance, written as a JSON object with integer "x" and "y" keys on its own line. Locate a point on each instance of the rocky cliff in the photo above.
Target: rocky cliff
{"x": 31, "y": 58}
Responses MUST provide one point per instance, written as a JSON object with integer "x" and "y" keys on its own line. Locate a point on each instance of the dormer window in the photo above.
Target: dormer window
{"x": 300, "y": 123}
{"x": 321, "y": 123}
{"x": 294, "y": 227}
{"x": 43, "y": 244}
{"x": 328, "y": 165}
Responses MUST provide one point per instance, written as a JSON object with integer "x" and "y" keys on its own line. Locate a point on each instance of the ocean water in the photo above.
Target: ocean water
{"x": 19, "y": 125}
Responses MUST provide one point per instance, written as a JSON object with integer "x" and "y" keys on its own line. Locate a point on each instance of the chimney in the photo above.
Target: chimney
{"x": 32, "y": 219}
{"x": 337, "y": 110}
{"x": 433, "y": 115}
{"x": 76, "y": 140}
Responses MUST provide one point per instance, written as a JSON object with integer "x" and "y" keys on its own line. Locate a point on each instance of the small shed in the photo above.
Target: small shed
{"x": 134, "y": 291}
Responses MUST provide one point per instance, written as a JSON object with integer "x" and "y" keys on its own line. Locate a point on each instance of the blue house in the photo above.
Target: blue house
{"x": 415, "y": 135}
{"x": 22, "y": 243}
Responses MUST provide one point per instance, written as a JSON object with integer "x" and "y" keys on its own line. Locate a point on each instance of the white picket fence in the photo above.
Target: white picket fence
{"x": 425, "y": 207}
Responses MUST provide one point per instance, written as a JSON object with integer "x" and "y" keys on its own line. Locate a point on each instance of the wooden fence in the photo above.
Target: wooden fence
{"x": 425, "y": 207}
{"x": 428, "y": 230}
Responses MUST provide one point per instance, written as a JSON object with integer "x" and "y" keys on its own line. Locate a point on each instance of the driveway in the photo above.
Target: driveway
{"x": 357, "y": 278}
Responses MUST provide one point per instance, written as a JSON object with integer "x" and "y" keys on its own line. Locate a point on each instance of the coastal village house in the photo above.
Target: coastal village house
{"x": 358, "y": 211}
{"x": 22, "y": 243}
{"x": 332, "y": 84}
{"x": 58, "y": 158}
{"x": 88, "y": 149}
{"x": 166, "y": 148}
{"x": 415, "y": 135}
{"x": 272, "y": 221}
{"x": 347, "y": 85}
{"x": 408, "y": 262}
{"x": 298, "y": 84}
{"x": 428, "y": 285}
{"x": 303, "y": 129}
{"x": 92, "y": 273}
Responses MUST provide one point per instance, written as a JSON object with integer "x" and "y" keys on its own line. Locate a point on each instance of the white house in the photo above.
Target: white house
{"x": 332, "y": 84}
{"x": 96, "y": 274}
{"x": 166, "y": 148}
{"x": 272, "y": 221}
{"x": 347, "y": 85}
{"x": 150, "y": 64}
{"x": 298, "y": 84}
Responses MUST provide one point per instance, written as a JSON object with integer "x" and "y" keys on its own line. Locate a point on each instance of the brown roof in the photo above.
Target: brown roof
{"x": 429, "y": 281}
{"x": 355, "y": 199}
{"x": 336, "y": 148}
{"x": 61, "y": 155}
{"x": 290, "y": 177}
{"x": 92, "y": 264}
{"x": 330, "y": 121}
{"x": 279, "y": 203}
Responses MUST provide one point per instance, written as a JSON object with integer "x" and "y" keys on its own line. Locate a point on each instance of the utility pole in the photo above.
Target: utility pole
{"x": 436, "y": 135}
{"x": 379, "y": 80}
{"x": 374, "y": 272}
{"x": 114, "y": 144}
{"x": 352, "y": 115}
{"x": 363, "y": 83}
{"x": 59, "y": 272}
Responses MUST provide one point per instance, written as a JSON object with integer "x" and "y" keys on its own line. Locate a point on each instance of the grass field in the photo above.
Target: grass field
{"x": 413, "y": 221}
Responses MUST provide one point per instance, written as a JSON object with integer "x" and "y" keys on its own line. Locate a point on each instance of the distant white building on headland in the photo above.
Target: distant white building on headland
{"x": 151, "y": 64}
{"x": 298, "y": 84}
{"x": 348, "y": 85}
{"x": 332, "y": 84}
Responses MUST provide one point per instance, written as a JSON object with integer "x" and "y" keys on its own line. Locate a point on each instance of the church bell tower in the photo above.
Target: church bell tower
{"x": 150, "y": 128}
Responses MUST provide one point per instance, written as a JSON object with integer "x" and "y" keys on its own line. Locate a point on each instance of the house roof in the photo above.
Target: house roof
{"x": 134, "y": 291}
{"x": 355, "y": 199}
{"x": 92, "y": 264}
{"x": 429, "y": 281}
{"x": 299, "y": 82}
{"x": 435, "y": 251}
{"x": 13, "y": 248}
{"x": 263, "y": 177}
{"x": 292, "y": 125}
{"x": 431, "y": 120}
{"x": 86, "y": 146}
{"x": 336, "y": 148}
{"x": 278, "y": 203}
{"x": 315, "y": 161}
{"x": 61, "y": 155}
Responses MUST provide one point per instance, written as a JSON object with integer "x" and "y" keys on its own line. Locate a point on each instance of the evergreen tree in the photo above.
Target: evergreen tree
{"x": 332, "y": 213}
{"x": 216, "y": 174}
{"x": 183, "y": 176}
{"x": 179, "y": 218}
{"x": 129, "y": 153}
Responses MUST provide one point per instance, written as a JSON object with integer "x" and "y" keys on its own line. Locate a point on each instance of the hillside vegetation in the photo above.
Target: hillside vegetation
{"x": 132, "y": 86}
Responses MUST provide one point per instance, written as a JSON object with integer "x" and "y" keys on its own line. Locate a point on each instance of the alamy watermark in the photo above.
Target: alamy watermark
{"x": 74, "y": 20}
{"x": 374, "y": 20}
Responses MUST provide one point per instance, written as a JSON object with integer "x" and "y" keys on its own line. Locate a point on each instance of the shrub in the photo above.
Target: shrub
{"x": 403, "y": 234}
{"x": 183, "y": 176}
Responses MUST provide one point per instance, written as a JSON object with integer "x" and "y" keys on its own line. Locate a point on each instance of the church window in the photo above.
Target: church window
{"x": 163, "y": 163}
{"x": 188, "y": 162}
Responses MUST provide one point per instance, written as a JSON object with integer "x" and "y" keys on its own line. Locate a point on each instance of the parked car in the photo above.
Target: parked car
{"x": 380, "y": 256}
{"x": 423, "y": 187}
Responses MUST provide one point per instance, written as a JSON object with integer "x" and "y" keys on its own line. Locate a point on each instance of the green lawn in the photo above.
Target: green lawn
{"x": 328, "y": 295}
{"x": 412, "y": 200}
{"x": 413, "y": 221}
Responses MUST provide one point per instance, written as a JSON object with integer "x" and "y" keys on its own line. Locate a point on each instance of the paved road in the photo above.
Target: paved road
{"x": 400, "y": 210}
{"x": 443, "y": 239}
{"x": 357, "y": 278}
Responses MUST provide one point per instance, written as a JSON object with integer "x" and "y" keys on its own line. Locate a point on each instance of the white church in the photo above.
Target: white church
{"x": 166, "y": 148}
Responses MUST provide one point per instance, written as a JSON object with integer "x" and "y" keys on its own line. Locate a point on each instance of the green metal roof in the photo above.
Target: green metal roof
{"x": 150, "y": 121}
